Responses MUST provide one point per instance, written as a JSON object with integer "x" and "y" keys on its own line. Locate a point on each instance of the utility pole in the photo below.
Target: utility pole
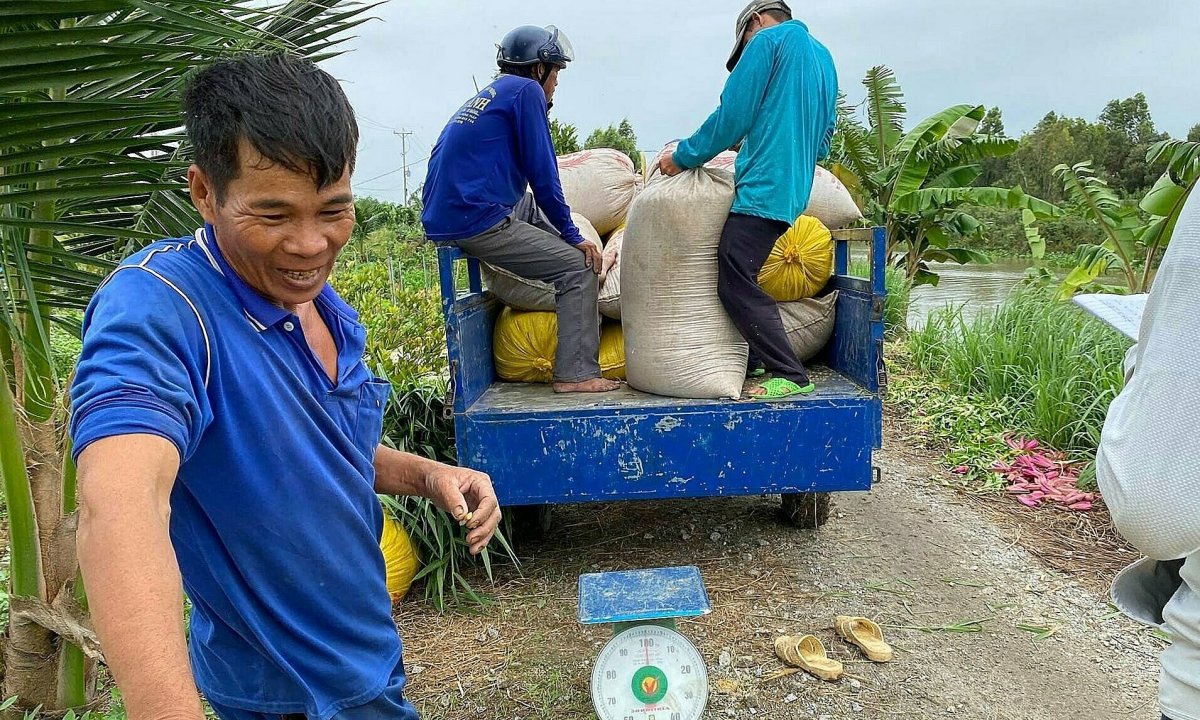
{"x": 404, "y": 158}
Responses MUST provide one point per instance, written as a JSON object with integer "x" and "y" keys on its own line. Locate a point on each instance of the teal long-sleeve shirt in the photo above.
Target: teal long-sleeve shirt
{"x": 780, "y": 101}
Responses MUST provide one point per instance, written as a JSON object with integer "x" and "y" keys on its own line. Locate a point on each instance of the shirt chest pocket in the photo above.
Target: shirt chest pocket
{"x": 368, "y": 429}
{"x": 358, "y": 412}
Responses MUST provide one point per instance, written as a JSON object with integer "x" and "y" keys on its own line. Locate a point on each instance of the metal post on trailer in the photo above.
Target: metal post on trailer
{"x": 841, "y": 256}
{"x": 879, "y": 260}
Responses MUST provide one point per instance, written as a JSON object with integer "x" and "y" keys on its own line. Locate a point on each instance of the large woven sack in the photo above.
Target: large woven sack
{"x": 523, "y": 345}
{"x": 723, "y": 161}
{"x": 525, "y": 294}
{"x": 679, "y": 341}
{"x": 808, "y": 324}
{"x": 801, "y": 262}
{"x": 610, "y": 282}
{"x": 399, "y": 557}
{"x": 830, "y": 201}
{"x": 612, "y": 351}
{"x": 600, "y": 184}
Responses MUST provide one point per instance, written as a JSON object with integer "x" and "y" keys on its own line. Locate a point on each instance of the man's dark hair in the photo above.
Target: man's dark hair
{"x": 779, "y": 15}
{"x": 525, "y": 71}
{"x": 293, "y": 113}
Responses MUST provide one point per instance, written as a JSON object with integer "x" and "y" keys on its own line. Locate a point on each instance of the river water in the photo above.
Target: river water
{"x": 975, "y": 288}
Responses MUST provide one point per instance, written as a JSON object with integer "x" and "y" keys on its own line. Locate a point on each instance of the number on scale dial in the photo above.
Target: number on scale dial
{"x": 649, "y": 672}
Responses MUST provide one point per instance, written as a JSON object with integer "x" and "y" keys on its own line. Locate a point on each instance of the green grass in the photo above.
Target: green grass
{"x": 1034, "y": 366}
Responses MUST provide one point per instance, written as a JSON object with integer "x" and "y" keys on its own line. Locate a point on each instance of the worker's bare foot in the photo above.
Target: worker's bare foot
{"x": 595, "y": 385}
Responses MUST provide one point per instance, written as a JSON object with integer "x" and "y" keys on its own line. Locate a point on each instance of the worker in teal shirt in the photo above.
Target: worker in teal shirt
{"x": 780, "y": 103}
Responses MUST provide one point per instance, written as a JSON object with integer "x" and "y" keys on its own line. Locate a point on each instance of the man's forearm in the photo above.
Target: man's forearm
{"x": 134, "y": 589}
{"x": 139, "y": 616}
{"x": 401, "y": 473}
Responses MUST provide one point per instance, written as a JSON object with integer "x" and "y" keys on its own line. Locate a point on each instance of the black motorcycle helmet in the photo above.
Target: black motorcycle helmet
{"x": 529, "y": 45}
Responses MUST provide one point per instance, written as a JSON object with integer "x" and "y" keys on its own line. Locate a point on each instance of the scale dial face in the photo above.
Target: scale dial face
{"x": 649, "y": 672}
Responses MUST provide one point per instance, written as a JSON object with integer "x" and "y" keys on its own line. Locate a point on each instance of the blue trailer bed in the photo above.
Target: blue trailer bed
{"x": 543, "y": 448}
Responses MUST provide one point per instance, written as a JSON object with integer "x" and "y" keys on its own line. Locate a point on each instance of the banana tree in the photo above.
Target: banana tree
{"x": 92, "y": 162}
{"x": 1134, "y": 237}
{"x": 917, "y": 183}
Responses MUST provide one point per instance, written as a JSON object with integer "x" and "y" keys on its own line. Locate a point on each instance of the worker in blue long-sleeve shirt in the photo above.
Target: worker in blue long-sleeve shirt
{"x": 495, "y": 146}
{"x": 780, "y": 103}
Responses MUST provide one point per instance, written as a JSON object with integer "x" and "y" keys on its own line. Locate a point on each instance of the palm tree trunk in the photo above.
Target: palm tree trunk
{"x": 76, "y": 673}
{"x": 38, "y": 663}
{"x": 29, "y": 644}
{"x": 6, "y": 353}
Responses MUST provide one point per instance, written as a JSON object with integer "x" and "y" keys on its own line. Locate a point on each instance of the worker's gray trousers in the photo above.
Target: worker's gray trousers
{"x": 526, "y": 244}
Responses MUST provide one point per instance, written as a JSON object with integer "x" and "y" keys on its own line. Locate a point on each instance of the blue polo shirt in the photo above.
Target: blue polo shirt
{"x": 274, "y": 517}
{"x": 496, "y": 145}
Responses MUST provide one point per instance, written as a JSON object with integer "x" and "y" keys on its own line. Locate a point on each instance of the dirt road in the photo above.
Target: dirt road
{"x": 982, "y": 629}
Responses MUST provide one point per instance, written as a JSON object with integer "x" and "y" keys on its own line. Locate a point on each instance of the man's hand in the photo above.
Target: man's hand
{"x": 667, "y": 166}
{"x": 469, "y": 497}
{"x": 592, "y": 257}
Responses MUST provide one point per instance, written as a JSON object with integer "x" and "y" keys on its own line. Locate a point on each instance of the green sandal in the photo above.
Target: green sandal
{"x": 757, "y": 373}
{"x": 779, "y": 388}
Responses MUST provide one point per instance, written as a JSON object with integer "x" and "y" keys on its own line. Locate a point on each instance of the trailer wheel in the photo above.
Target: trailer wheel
{"x": 528, "y": 522}
{"x": 807, "y": 511}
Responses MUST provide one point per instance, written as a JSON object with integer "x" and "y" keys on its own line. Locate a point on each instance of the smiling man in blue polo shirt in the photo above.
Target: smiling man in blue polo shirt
{"x": 227, "y": 431}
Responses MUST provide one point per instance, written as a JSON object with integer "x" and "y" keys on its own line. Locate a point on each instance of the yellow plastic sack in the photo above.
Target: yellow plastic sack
{"x": 612, "y": 352}
{"x": 523, "y": 345}
{"x": 800, "y": 264}
{"x": 399, "y": 556}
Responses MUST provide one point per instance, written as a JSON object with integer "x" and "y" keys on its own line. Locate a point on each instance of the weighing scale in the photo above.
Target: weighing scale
{"x": 648, "y": 670}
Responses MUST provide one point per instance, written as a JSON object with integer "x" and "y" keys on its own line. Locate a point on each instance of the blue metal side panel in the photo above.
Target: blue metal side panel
{"x": 469, "y": 320}
{"x": 469, "y": 328}
{"x": 856, "y": 349}
{"x": 851, "y": 350}
{"x": 620, "y": 455}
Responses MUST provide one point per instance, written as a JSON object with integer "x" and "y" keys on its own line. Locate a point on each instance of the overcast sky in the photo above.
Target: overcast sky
{"x": 662, "y": 64}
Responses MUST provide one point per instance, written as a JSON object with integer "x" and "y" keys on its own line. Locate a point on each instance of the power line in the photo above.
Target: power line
{"x": 393, "y": 172}
{"x": 375, "y": 123}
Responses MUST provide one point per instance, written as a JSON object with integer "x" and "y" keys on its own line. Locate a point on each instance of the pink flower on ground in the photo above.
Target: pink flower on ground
{"x": 1039, "y": 476}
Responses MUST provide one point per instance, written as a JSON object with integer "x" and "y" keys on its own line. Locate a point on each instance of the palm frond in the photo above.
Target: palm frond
{"x": 954, "y": 151}
{"x": 92, "y": 153}
{"x": 1092, "y": 198}
{"x": 932, "y": 199}
{"x": 885, "y": 110}
{"x": 1182, "y": 158}
{"x": 953, "y": 123}
{"x": 957, "y": 176}
{"x": 852, "y": 150}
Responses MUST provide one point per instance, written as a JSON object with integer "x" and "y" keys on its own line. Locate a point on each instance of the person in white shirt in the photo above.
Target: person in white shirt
{"x": 1148, "y": 467}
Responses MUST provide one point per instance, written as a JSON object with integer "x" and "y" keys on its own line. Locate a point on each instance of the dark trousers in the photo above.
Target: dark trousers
{"x": 746, "y": 242}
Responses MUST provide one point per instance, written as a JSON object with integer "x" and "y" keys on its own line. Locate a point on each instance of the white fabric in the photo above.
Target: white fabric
{"x": 808, "y": 324}
{"x": 679, "y": 341}
{"x": 830, "y": 201}
{"x": 610, "y": 280}
{"x": 1148, "y": 463}
{"x": 599, "y": 184}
